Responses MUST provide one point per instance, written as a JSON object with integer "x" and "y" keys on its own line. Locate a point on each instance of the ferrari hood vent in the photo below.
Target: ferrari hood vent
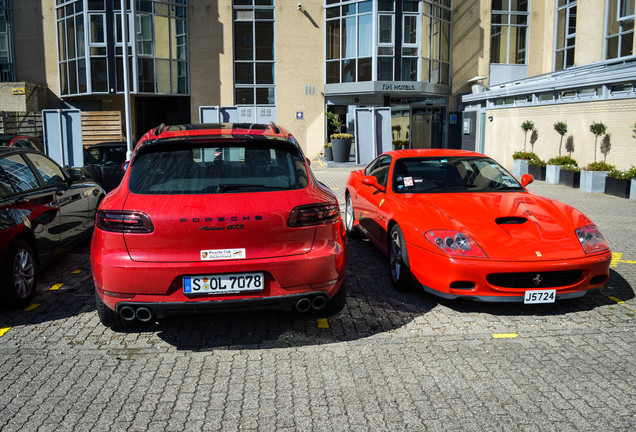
{"x": 511, "y": 220}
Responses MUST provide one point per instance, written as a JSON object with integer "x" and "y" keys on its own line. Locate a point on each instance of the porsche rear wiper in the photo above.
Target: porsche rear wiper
{"x": 229, "y": 187}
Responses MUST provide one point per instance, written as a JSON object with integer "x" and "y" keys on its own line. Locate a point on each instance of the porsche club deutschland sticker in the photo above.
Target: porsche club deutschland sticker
{"x": 222, "y": 254}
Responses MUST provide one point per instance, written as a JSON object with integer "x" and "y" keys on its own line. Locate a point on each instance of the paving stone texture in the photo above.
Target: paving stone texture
{"x": 389, "y": 361}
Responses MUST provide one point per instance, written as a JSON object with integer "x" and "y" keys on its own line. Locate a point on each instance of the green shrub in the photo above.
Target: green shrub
{"x": 599, "y": 166}
{"x": 536, "y": 161}
{"x": 562, "y": 160}
{"x": 624, "y": 175}
{"x": 570, "y": 168}
{"x": 523, "y": 155}
{"x": 400, "y": 144}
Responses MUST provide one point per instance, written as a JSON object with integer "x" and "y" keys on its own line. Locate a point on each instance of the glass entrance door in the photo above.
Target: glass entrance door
{"x": 427, "y": 127}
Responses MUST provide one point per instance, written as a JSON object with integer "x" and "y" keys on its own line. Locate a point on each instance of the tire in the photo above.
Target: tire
{"x": 338, "y": 301}
{"x": 19, "y": 274}
{"x": 352, "y": 231}
{"x": 398, "y": 260}
{"x": 109, "y": 317}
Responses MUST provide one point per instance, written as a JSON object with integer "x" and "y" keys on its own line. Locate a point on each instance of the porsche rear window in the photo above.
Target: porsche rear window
{"x": 451, "y": 174}
{"x": 184, "y": 168}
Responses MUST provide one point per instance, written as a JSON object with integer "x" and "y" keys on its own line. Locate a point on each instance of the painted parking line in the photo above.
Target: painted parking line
{"x": 505, "y": 335}
{"x": 31, "y": 307}
{"x": 319, "y": 161}
{"x": 76, "y": 271}
{"x": 323, "y": 323}
{"x": 4, "y": 330}
{"x": 617, "y": 257}
{"x": 56, "y": 287}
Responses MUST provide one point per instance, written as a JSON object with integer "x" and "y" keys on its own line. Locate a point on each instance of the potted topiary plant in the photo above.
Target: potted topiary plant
{"x": 562, "y": 129}
{"x": 526, "y": 127}
{"x": 400, "y": 144}
{"x": 553, "y": 168}
{"x": 340, "y": 142}
{"x": 328, "y": 152}
{"x": 593, "y": 176}
{"x": 570, "y": 175}
{"x": 520, "y": 162}
{"x": 619, "y": 183}
{"x": 597, "y": 129}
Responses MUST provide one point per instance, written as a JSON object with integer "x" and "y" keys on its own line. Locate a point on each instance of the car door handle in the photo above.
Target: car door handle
{"x": 59, "y": 192}
{"x": 21, "y": 201}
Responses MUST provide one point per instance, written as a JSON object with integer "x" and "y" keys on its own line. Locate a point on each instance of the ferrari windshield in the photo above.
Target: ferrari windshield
{"x": 451, "y": 174}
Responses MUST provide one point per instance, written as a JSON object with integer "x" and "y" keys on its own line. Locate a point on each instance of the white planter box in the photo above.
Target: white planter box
{"x": 552, "y": 174}
{"x": 632, "y": 190}
{"x": 593, "y": 181}
{"x": 519, "y": 167}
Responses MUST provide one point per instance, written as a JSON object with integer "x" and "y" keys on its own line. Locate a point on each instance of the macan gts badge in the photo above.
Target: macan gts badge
{"x": 274, "y": 237}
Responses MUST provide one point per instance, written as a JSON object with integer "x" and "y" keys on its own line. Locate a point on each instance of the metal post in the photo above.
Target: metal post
{"x": 124, "y": 37}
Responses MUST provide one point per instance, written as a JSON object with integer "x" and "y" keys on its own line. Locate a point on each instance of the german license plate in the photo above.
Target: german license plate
{"x": 539, "y": 296}
{"x": 223, "y": 284}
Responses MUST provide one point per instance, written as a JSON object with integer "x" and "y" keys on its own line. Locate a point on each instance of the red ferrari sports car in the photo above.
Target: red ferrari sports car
{"x": 212, "y": 217}
{"x": 460, "y": 225}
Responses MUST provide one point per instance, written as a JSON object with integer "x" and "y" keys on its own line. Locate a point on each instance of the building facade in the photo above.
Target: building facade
{"x": 455, "y": 74}
{"x": 557, "y": 61}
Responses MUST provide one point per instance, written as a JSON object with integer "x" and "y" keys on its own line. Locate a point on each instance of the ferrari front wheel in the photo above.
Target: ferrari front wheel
{"x": 352, "y": 230}
{"x": 398, "y": 260}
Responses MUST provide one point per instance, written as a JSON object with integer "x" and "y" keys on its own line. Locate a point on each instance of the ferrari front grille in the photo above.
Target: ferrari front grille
{"x": 535, "y": 279}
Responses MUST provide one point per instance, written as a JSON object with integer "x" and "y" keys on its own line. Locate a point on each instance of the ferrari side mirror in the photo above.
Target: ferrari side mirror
{"x": 373, "y": 182}
{"x": 526, "y": 179}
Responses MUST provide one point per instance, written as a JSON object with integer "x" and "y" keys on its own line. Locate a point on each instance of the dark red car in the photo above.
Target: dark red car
{"x": 212, "y": 217}
{"x": 21, "y": 141}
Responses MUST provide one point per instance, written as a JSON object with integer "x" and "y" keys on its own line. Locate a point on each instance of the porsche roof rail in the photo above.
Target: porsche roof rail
{"x": 160, "y": 128}
{"x": 275, "y": 127}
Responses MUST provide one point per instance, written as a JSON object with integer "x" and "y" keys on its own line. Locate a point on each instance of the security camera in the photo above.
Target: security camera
{"x": 300, "y": 6}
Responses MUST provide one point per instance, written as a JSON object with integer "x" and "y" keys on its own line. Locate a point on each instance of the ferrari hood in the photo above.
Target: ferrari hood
{"x": 518, "y": 226}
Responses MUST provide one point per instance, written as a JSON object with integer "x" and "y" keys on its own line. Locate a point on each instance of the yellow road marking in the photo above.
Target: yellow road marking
{"x": 320, "y": 162}
{"x": 56, "y": 287}
{"x": 323, "y": 323}
{"x": 335, "y": 188}
{"x": 31, "y": 307}
{"x": 617, "y": 258}
{"x": 504, "y": 335}
{"x": 3, "y": 330}
{"x": 76, "y": 271}
{"x": 619, "y": 301}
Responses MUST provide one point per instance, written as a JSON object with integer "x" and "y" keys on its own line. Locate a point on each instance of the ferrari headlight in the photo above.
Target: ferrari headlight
{"x": 591, "y": 239}
{"x": 454, "y": 243}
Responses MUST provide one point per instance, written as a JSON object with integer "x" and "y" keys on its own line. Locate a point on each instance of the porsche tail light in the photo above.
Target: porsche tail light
{"x": 125, "y": 221}
{"x": 591, "y": 239}
{"x": 314, "y": 214}
{"x": 455, "y": 243}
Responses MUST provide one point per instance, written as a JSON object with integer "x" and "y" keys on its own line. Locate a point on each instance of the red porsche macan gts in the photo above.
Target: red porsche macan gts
{"x": 212, "y": 217}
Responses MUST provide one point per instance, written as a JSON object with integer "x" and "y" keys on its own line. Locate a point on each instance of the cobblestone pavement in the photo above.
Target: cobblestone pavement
{"x": 388, "y": 362}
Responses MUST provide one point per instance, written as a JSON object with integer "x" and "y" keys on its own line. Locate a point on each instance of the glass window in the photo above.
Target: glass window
{"x": 7, "y": 66}
{"x": 380, "y": 169}
{"x": 566, "y": 34}
{"x": 6, "y": 188}
{"x": 619, "y": 39}
{"x": 509, "y": 23}
{"x": 349, "y": 39}
{"x": 254, "y": 54}
{"x": 19, "y": 173}
{"x": 50, "y": 172}
{"x": 211, "y": 169}
{"x": 436, "y": 44}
